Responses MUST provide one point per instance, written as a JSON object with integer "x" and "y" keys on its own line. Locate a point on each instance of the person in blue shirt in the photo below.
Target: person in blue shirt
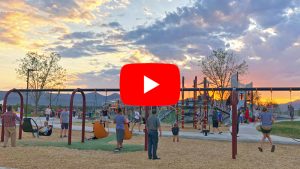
{"x": 120, "y": 121}
{"x": 267, "y": 119}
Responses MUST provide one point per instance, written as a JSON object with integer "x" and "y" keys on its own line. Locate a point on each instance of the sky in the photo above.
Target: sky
{"x": 96, "y": 37}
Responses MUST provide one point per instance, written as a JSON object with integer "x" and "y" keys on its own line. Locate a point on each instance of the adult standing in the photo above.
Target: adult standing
{"x": 291, "y": 111}
{"x": 152, "y": 125}
{"x": 48, "y": 112}
{"x": 105, "y": 114}
{"x": 267, "y": 119}
{"x": 120, "y": 120}
{"x": 9, "y": 120}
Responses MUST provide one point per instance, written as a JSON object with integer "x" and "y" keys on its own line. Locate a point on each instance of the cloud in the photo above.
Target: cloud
{"x": 81, "y": 35}
{"x": 105, "y": 78}
{"x": 213, "y": 24}
{"x": 59, "y": 30}
{"x": 84, "y": 48}
{"x": 15, "y": 25}
{"x": 147, "y": 11}
{"x": 82, "y": 44}
{"x": 23, "y": 23}
{"x": 69, "y": 10}
{"x": 112, "y": 25}
{"x": 117, "y": 4}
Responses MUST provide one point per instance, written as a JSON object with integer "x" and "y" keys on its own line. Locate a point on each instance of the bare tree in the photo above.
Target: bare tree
{"x": 48, "y": 73}
{"x": 219, "y": 66}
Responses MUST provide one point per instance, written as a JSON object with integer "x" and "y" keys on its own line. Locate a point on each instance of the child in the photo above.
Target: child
{"x": 137, "y": 120}
{"x": 45, "y": 129}
{"x": 120, "y": 120}
{"x": 215, "y": 121}
{"x": 175, "y": 131}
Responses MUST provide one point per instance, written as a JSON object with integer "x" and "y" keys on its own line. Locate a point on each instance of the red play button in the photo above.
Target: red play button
{"x": 150, "y": 84}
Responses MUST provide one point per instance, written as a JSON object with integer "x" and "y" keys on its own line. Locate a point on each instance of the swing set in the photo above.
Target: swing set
{"x": 233, "y": 102}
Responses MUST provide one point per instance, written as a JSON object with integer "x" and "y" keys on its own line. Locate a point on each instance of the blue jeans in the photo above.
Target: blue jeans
{"x": 152, "y": 143}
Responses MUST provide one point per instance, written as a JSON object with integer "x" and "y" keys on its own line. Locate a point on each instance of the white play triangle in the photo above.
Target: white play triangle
{"x": 149, "y": 84}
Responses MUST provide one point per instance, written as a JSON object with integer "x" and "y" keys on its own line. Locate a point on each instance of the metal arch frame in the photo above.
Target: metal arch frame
{"x": 71, "y": 115}
{"x": 21, "y": 111}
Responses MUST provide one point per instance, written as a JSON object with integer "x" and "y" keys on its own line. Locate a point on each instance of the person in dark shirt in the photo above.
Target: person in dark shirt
{"x": 175, "y": 132}
{"x": 105, "y": 116}
{"x": 152, "y": 125}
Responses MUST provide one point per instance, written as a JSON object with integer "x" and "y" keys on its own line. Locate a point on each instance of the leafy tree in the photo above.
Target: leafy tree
{"x": 47, "y": 73}
{"x": 257, "y": 99}
{"x": 219, "y": 66}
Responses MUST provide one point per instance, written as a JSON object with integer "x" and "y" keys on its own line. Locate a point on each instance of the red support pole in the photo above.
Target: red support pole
{"x": 70, "y": 118}
{"x": 194, "y": 104}
{"x": 21, "y": 115}
{"x": 83, "y": 116}
{"x": 145, "y": 130}
{"x": 205, "y": 120}
{"x": 234, "y": 102}
{"x": 21, "y": 112}
{"x": 182, "y": 103}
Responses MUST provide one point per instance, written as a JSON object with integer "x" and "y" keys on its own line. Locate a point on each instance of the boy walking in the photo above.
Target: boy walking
{"x": 120, "y": 120}
{"x": 64, "y": 121}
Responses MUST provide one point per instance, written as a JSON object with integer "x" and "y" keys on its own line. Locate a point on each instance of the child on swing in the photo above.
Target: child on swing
{"x": 175, "y": 132}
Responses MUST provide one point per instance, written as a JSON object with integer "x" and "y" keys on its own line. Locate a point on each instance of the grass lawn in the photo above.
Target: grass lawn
{"x": 287, "y": 129}
{"x": 100, "y": 144}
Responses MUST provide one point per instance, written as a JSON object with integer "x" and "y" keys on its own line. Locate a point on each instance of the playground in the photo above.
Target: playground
{"x": 199, "y": 145}
{"x": 53, "y": 152}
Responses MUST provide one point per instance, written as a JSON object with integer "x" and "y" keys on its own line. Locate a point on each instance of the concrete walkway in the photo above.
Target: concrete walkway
{"x": 247, "y": 133}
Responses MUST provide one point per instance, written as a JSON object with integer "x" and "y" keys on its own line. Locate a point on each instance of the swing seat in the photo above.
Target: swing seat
{"x": 34, "y": 129}
{"x": 128, "y": 133}
{"x": 99, "y": 130}
{"x": 27, "y": 126}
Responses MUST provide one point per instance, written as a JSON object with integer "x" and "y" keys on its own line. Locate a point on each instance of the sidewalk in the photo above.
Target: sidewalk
{"x": 247, "y": 133}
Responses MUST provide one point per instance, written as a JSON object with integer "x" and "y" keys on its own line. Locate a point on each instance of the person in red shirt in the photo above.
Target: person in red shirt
{"x": 9, "y": 120}
{"x": 247, "y": 115}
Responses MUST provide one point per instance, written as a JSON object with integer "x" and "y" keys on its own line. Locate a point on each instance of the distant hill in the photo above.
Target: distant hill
{"x": 296, "y": 104}
{"x": 63, "y": 99}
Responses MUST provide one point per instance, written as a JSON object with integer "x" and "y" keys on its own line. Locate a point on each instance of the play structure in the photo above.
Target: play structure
{"x": 233, "y": 101}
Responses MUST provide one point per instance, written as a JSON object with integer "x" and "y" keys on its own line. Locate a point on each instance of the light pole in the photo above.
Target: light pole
{"x": 26, "y": 110}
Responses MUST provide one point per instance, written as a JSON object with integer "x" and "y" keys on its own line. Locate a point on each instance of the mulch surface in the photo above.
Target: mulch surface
{"x": 187, "y": 153}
